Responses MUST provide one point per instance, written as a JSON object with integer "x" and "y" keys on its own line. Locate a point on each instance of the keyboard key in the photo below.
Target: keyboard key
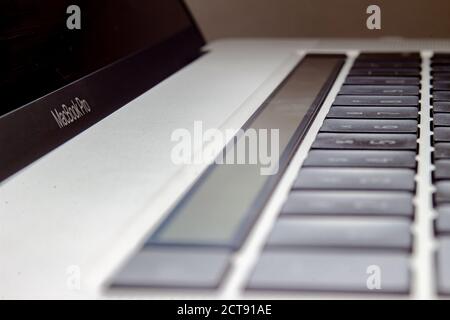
{"x": 386, "y": 72}
{"x": 390, "y": 56}
{"x": 376, "y": 101}
{"x": 441, "y": 96}
{"x": 442, "y": 170}
{"x": 443, "y": 220}
{"x": 331, "y": 271}
{"x": 441, "y": 134}
{"x": 366, "y": 141}
{"x": 441, "y": 107}
{"x": 441, "y": 119}
{"x": 383, "y": 81}
{"x": 441, "y": 77}
{"x": 174, "y": 269}
{"x": 350, "y": 203}
{"x": 370, "y": 126}
{"x": 380, "y": 90}
{"x": 361, "y": 64}
{"x": 393, "y": 233}
{"x": 374, "y": 112}
{"x": 352, "y": 158}
{"x": 442, "y": 194}
{"x": 442, "y": 151}
{"x": 443, "y": 266}
{"x": 444, "y": 86}
{"x": 355, "y": 179}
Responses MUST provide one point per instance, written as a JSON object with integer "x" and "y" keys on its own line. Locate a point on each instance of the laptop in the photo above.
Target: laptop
{"x": 139, "y": 161}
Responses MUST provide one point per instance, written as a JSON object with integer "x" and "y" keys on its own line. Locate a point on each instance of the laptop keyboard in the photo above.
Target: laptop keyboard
{"x": 346, "y": 225}
{"x": 441, "y": 175}
{"x": 355, "y": 193}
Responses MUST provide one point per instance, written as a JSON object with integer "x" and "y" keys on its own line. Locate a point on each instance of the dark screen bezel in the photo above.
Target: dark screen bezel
{"x": 30, "y": 132}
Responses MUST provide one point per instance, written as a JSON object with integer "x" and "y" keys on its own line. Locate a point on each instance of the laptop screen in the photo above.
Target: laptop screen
{"x": 65, "y": 65}
{"x": 52, "y": 43}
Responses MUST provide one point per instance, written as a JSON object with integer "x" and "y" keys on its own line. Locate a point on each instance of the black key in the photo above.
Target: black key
{"x": 441, "y": 96}
{"x": 389, "y": 56}
{"x": 366, "y": 141}
{"x": 386, "y": 72}
{"x": 441, "y": 107}
{"x": 441, "y": 85}
{"x": 441, "y": 77}
{"x": 443, "y": 266}
{"x": 441, "y": 134}
{"x": 442, "y": 170}
{"x": 383, "y": 81}
{"x": 349, "y": 203}
{"x": 442, "y": 151}
{"x": 362, "y": 159}
{"x": 374, "y": 112}
{"x": 355, "y": 179}
{"x": 377, "y": 101}
{"x": 386, "y": 64}
{"x": 380, "y": 90}
{"x": 442, "y": 195}
{"x": 441, "y": 119}
{"x": 441, "y": 68}
{"x": 370, "y": 126}
{"x": 329, "y": 232}
{"x": 174, "y": 269}
{"x": 443, "y": 220}
{"x": 331, "y": 271}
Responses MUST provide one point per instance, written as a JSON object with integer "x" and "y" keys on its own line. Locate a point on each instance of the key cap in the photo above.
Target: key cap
{"x": 393, "y": 233}
{"x": 442, "y": 194}
{"x": 386, "y": 72}
{"x": 442, "y": 170}
{"x": 390, "y": 56}
{"x": 380, "y": 90}
{"x": 443, "y": 220}
{"x": 441, "y": 134}
{"x": 386, "y": 64}
{"x": 355, "y": 179}
{"x": 352, "y": 158}
{"x": 330, "y": 271}
{"x": 441, "y": 107}
{"x": 441, "y": 96}
{"x": 374, "y": 113}
{"x": 366, "y": 141}
{"x": 442, "y": 151}
{"x": 376, "y": 101}
{"x": 370, "y": 126}
{"x": 443, "y": 266}
{"x": 441, "y": 77}
{"x": 441, "y": 68}
{"x": 440, "y": 85}
{"x": 174, "y": 269}
{"x": 350, "y": 203}
{"x": 384, "y": 81}
{"x": 441, "y": 119}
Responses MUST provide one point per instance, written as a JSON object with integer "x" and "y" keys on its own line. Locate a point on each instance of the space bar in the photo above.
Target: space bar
{"x": 225, "y": 202}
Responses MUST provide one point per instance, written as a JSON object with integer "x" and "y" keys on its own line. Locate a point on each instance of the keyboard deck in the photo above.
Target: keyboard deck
{"x": 348, "y": 223}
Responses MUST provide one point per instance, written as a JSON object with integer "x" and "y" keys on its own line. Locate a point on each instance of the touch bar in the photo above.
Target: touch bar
{"x": 224, "y": 203}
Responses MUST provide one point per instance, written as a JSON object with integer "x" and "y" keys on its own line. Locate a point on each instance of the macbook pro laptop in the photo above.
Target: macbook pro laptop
{"x": 106, "y": 190}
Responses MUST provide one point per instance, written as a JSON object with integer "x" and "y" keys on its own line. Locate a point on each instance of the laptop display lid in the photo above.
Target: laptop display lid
{"x": 66, "y": 65}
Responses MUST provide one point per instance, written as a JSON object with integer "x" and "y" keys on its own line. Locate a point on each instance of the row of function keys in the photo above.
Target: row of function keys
{"x": 351, "y": 205}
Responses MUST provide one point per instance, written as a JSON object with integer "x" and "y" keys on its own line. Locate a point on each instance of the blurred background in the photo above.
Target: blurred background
{"x": 320, "y": 18}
